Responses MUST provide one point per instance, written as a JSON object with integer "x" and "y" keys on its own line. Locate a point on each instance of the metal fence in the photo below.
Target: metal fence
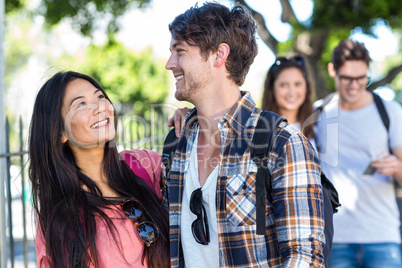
{"x": 133, "y": 132}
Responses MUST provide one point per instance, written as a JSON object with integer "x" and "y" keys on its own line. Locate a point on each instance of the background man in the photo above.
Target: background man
{"x": 366, "y": 228}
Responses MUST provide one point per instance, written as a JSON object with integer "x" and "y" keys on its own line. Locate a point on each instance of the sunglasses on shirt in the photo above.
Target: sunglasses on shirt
{"x": 148, "y": 231}
{"x": 199, "y": 227}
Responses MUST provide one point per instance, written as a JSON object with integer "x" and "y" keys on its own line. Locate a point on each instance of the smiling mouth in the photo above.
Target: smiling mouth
{"x": 101, "y": 123}
{"x": 178, "y": 77}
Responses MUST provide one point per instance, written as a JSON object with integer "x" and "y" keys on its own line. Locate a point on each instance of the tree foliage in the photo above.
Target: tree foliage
{"x": 13, "y": 5}
{"x": 17, "y": 45}
{"x": 86, "y": 14}
{"x": 133, "y": 81}
{"x": 331, "y": 21}
{"x": 352, "y": 13}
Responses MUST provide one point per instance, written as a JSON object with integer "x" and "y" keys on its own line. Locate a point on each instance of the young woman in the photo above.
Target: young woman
{"x": 93, "y": 210}
{"x": 287, "y": 92}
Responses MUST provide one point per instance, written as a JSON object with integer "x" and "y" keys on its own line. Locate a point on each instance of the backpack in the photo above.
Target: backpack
{"x": 262, "y": 144}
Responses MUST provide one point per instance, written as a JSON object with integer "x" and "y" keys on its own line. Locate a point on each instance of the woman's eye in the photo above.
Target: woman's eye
{"x": 81, "y": 104}
{"x": 284, "y": 85}
{"x": 101, "y": 97}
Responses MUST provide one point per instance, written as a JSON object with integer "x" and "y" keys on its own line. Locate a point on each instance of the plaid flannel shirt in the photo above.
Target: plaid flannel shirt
{"x": 294, "y": 220}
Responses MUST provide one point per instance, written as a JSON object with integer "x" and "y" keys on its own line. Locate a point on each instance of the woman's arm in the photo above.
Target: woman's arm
{"x": 41, "y": 249}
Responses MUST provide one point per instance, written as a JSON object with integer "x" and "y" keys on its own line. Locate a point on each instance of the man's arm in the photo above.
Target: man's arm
{"x": 298, "y": 201}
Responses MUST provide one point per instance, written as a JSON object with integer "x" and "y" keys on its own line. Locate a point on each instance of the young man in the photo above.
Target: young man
{"x": 351, "y": 137}
{"x": 212, "y": 188}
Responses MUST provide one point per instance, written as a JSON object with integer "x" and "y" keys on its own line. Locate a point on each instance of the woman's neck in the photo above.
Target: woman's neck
{"x": 90, "y": 162}
{"x": 291, "y": 116}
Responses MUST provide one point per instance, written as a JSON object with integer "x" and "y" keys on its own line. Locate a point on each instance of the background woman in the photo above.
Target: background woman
{"x": 93, "y": 210}
{"x": 287, "y": 91}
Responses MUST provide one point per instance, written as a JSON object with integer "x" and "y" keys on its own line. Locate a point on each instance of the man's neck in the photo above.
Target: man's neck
{"x": 211, "y": 109}
{"x": 366, "y": 100}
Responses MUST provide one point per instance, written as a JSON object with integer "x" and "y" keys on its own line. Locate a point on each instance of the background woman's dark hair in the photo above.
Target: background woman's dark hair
{"x": 349, "y": 50}
{"x": 65, "y": 212}
{"x": 213, "y": 24}
{"x": 269, "y": 101}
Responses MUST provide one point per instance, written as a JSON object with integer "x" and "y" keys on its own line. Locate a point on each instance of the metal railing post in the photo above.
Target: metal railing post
{"x": 23, "y": 194}
{"x": 3, "y": 165}
{"x": 9, "y": 198}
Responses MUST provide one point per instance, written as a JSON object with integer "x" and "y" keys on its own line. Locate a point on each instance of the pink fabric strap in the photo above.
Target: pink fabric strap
{"x": 138, "y": 169}
{"x": 146, "y": 165}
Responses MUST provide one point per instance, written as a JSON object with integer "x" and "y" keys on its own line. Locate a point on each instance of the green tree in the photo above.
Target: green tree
{"x": 134, "y": 81}
{"x": 17, "y": 48}
{"x": 85, "y": 14}
{"x": 330, "y": 22}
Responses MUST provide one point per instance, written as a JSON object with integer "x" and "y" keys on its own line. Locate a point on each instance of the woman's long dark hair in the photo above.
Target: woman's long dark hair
{"x": 66, "y": 215}
{"x": 269, "y": 101}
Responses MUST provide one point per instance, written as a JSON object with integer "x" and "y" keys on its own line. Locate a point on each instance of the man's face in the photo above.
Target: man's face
{"x": 190, "y": 69}
{"x": 351, "y": 81}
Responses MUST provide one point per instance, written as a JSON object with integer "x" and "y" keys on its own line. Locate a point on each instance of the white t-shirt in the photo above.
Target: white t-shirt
{"x": 195, "y": 254}
{"x": 348, "y": 141}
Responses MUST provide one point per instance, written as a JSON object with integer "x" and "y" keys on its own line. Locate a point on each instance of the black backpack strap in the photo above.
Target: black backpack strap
{"x": 261, "y": 146}
{"x": 381, "y": 110}
{"x": 383, "y": 114}
{"x": 324, "y": 103}
{"x": 169, "y": 148}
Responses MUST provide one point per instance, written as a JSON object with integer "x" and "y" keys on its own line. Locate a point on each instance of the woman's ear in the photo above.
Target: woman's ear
{"x": 63, "y": 137}
{"x": 222, "y": 54}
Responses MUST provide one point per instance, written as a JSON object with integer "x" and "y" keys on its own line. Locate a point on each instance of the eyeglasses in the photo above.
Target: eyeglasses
{"x": 348, "y": 80}
{"x": 289, "y": 61}
{"x": 201, "y": 234}
{"x": 148, "y": 231}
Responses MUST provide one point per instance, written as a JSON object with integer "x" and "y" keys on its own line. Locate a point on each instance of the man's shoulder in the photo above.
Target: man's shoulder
{"x": 392, "y": 106}
{"x": 283, "y": 129}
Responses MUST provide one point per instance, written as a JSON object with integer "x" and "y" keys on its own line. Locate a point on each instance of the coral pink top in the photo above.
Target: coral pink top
{"x": 129, "y": 251}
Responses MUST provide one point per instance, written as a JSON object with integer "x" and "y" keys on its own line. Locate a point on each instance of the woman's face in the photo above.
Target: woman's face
{"x": 88, "y": 116}
{"x": 290, "y": 89}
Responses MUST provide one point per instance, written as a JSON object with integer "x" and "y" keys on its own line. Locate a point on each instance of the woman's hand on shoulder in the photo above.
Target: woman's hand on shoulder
{"x": 177, "y": 120}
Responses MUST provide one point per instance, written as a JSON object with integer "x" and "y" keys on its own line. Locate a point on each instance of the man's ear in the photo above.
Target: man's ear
{"x": 222, "y": 54}
{"x": 63, "y": 137}
{"x": 331, "y": 70}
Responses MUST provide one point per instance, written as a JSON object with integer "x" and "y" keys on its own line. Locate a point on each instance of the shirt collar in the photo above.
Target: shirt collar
{"x": 236, "y": 117}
